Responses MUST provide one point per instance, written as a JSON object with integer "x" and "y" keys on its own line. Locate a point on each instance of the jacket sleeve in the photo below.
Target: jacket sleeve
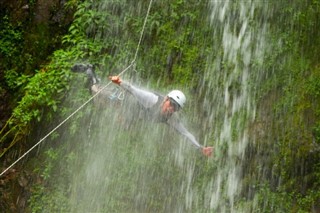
{"x": 144, "y": 97}
{"x": 179, "y": 127}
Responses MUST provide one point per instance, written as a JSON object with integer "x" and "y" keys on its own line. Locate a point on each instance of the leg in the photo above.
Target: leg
{"x": 108, "y": 95}
{"x": 89, "y": 70}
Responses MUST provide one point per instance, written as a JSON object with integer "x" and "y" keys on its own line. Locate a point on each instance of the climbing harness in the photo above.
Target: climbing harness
{"x": 119, "y": 96}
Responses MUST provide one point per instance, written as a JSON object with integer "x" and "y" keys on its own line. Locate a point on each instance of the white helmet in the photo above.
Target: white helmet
{"x": 178, "y": 97}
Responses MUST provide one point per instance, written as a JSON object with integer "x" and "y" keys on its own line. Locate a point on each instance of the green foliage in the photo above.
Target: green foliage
{"x": 42, "y": 92}
{"x": 291, "y": 115}
{"x": 176, "y": 51}
{"x": 56, "y": 201}
{"x": 281, "y": 200}
{"x": 13, "y": 79}
{"x": 34, "y": 90}
{"x": 173, "y": 49}
{"x": 46, "y": 194}
{"x": 10, "y": 38}
{"x": 274, "y": 201}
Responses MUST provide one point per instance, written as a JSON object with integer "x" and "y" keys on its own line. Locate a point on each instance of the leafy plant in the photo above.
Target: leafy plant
{"x": 10, "y": 39}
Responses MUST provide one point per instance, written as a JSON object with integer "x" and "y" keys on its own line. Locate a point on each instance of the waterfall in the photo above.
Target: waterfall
{"x": 234, "y": 78}
{"x": 122, "y": 163}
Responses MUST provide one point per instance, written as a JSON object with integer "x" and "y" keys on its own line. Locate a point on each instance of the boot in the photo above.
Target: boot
{"x": 89, "y": 70}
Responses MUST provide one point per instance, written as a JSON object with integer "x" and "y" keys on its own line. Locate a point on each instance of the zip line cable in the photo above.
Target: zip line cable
{"x": 92, "y": 97}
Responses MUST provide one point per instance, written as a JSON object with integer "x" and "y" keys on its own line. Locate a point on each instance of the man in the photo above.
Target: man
{"x": 162, "y": 109}
{"x": 158, "y": 108}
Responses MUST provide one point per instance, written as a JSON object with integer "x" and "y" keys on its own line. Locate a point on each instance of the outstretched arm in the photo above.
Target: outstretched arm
{"x": 144, "y": 97}
{"x": 178, "y": 126}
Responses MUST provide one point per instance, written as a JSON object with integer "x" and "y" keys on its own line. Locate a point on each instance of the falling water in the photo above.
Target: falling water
{"x": 126, "y": 164}
{"x": 233, "y": 103}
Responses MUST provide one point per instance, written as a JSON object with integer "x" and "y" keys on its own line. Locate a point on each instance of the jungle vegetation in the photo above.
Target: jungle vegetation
{"x": 36, "y": 87}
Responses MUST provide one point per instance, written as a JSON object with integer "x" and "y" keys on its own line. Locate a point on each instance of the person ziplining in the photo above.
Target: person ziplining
{"x": 163, "y": 108}
{"x": 158, "y": 108}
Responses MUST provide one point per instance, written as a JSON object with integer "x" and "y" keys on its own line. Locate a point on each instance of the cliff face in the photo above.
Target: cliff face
{"x": 40, "y": 11}
{"x": 30, "y": 32}
{"x": 272, "y": 160}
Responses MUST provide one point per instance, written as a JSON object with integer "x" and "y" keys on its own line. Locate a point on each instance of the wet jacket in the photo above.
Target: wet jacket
{"x": 151, "y": 102}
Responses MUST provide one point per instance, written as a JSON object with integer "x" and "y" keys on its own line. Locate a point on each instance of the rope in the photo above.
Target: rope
{"x": 92, "y": 97}
{"x": 141, "y": 34}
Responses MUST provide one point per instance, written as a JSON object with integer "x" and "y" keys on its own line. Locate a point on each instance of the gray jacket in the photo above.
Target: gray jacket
{"x": 151, "y": 102}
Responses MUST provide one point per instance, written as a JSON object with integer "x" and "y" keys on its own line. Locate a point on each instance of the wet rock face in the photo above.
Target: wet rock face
{"x": 41, "y": 23}
{"x": 41, "y": 11}
{"x": 51, "y": 11}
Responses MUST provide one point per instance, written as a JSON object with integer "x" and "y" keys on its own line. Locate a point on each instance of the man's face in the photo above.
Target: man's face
{"x": 169, "y": 107}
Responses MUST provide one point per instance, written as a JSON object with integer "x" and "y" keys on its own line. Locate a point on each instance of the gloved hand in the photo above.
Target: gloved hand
{"x": 115, "y": 79}
{"x": 207, "y": 151}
